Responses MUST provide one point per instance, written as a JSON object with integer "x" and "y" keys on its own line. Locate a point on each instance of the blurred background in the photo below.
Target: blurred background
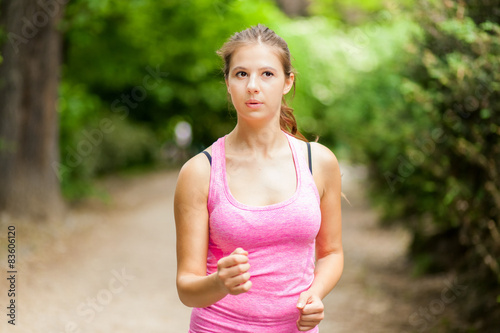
{"x": 409, "y": 89}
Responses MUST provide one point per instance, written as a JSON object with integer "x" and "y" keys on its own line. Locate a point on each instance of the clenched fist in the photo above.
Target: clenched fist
{"x": 232, "y": 272}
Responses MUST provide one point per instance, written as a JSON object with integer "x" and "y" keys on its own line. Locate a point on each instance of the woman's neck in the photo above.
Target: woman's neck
{"x": 256, "y": 140}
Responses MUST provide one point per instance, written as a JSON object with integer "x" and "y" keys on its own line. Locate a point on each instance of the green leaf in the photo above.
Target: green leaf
{"x": 485, "y": 113}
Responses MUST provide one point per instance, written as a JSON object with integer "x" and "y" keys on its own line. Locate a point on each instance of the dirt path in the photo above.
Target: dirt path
{"x": 112, "y": 269}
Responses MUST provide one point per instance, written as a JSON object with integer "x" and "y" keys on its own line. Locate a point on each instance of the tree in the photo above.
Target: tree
{"x": 29, "y": 77}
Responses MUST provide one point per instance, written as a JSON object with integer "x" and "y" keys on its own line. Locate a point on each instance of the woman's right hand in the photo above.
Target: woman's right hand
{"x": 232, "y": 272}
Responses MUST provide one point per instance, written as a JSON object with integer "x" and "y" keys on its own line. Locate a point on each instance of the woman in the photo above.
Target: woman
{"x": 253, "y": 216}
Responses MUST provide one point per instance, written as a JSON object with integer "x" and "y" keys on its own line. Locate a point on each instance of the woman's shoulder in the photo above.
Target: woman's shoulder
{"x": 326, "y": 169}
{"x": 323, "y": 156}
{"x": 196, "y": 171}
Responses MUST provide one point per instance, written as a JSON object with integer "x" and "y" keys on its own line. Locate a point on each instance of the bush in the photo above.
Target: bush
{"x": 436, "y": 165}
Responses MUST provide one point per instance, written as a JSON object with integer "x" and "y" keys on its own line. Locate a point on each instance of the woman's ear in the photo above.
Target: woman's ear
{"x": 228, "y": 89}
{"x": 288, "y": 83}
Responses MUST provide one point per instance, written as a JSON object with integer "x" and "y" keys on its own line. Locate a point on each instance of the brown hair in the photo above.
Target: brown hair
{"x": 261, "y": 34}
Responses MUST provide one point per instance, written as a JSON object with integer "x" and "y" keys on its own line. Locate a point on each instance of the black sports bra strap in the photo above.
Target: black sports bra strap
{"x": 207, "y": 154}
{"x": 309, "y": 158}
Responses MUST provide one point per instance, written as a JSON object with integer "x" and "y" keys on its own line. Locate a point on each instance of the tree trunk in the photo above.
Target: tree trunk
{"x": 29, "y": 78}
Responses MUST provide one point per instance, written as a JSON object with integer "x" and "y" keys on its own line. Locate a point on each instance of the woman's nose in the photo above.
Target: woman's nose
{"x": 252, "y": 85}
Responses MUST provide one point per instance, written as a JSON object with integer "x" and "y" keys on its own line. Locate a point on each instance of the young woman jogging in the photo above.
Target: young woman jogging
{"x": 258, "y": 214}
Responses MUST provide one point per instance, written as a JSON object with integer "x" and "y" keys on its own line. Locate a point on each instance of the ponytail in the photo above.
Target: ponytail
{"x": 288, "y": 123}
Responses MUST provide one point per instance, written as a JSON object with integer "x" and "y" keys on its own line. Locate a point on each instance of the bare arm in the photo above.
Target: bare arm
{"x": 194, "y": 287}
{"x": 329, "y": 253}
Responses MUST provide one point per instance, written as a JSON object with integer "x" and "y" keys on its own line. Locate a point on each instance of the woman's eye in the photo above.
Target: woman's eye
{"x": 241, "y": 74}
{"x": 268, "y": 74}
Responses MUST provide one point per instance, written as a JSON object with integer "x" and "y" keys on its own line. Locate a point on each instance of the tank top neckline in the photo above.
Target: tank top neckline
{"x": 238, "y": 204}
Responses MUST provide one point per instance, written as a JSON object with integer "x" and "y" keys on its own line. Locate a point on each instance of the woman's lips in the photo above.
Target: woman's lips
{"x": 253, "y": 104}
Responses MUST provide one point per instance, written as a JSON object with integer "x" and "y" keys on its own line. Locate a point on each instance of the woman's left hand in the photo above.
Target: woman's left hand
{"x": 311, "y": 311}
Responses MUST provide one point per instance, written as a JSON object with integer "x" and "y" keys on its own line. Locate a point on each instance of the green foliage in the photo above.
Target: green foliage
{"x": 179, "y": 38}
{"x": 92, "y": 144}
{"x": 348, "y": 82}
{"x": 349, "y": 11}
{"x": 434, "y": 153}
{"x": 356, "y": 12}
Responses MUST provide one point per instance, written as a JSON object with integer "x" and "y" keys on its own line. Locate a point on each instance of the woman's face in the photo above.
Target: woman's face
{"x": 257, "y": 83}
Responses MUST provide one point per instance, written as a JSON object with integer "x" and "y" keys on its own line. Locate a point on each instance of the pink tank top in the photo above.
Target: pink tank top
{"x": 280, "y": 240}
